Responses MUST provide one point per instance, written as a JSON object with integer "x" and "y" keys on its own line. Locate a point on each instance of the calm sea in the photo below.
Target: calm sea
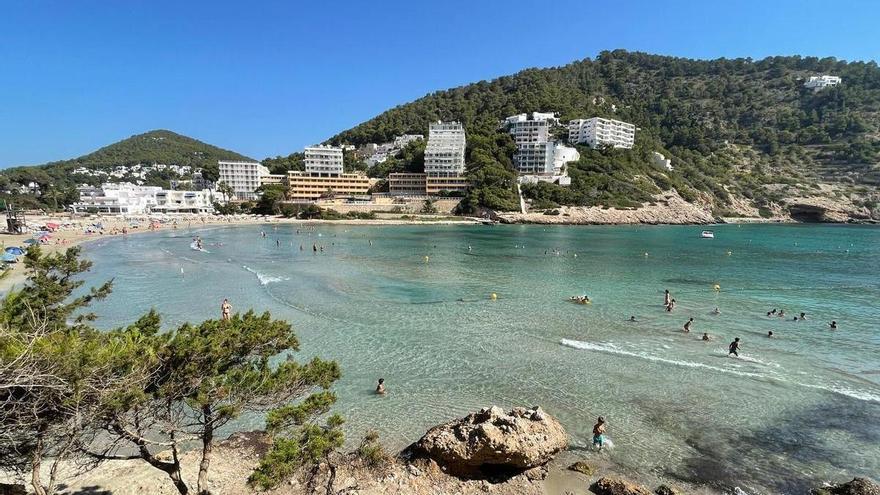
{"x": 794, "y": 410}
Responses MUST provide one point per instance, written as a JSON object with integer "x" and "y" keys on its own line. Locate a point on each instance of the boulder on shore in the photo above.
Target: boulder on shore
{"x": 492, "y": 442}
{"x": 858, "y": 486}
{"x": 617, "y": 486}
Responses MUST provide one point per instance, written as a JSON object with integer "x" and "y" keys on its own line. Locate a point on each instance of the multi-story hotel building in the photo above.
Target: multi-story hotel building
{"x": 444, "y": 153}
{"x": 305, "y": 186}
{"x": 821, "y": 82}
{"x": 323, "y": 176}
{"x": 598, "y": 132}
{"x": 407, "y": 184}
{"x": 125, "y": 198}
{"x": 243, "y": 177}
{"x": 324, "y": 160}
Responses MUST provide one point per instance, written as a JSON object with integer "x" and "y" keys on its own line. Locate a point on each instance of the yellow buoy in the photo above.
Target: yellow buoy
{"x": 494, "y": 296}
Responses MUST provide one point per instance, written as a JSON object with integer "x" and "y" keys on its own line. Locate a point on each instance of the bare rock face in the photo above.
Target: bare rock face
{"x": 858, "y": 486}
{"x": 492, "y": 441}
{"x": 617, "y": 486}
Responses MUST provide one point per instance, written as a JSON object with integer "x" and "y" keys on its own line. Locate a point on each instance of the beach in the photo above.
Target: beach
{"x": 411, "y": 303}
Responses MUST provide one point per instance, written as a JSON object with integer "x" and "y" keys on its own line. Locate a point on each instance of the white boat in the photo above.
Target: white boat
{"x": 707, "y": 234}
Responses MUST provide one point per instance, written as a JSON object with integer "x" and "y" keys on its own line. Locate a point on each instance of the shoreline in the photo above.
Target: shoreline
{"x": 75, "y": 236}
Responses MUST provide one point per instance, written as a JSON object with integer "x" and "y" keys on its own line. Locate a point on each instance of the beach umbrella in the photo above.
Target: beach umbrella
{"x": 10, "y": 258}
{"x": 15, "y": 250}
{"x": 31, "y": 241}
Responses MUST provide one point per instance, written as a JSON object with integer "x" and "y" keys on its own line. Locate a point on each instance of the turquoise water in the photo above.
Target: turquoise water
{"x": 795, "y": 410}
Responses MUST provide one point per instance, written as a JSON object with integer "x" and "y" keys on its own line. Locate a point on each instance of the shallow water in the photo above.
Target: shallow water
{"x": 793, "y": 411}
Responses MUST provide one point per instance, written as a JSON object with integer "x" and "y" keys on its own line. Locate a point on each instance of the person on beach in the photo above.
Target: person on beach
{"x": 833, "y": 325}
{"x": 380, "y": 387}
{"x": 733, "y": 348}
{"x": 705, "y": 337}
{"x": 225, "y": 310}
{"x": 599, "y": 433}
{"x": 687, "y": 326}
{"x": 666, "y": 297}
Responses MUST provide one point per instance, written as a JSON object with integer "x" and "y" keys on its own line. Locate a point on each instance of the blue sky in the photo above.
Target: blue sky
{"x": 268, "y": 77}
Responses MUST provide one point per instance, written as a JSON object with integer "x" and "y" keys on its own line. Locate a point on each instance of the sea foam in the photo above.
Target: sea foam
{"x": 263, "y": 278}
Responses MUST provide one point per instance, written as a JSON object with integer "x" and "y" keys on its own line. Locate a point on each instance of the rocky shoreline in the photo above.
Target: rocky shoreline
{"x": 518, "y": 452}
{"x": 671, "y": 209}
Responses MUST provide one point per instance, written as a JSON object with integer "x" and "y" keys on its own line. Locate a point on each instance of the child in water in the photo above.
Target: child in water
{"x": 599, "y": 433}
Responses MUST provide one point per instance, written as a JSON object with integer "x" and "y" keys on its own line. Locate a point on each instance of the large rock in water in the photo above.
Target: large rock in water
{"x": 492, "y": 441}
{"x": 858, "y": 486}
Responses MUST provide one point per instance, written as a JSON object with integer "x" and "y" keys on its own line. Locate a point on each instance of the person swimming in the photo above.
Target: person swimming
{"x": 770, "y": 334}
{"x": 716, "y": 311}
{"x": 781, "y": 313}
{"x": 833, "y": 325}
{"x": 803, "y": 316}
{"x": 599, "y": 433}
{"x": 380, "y": 387}
{"x": 706, "y": 337}
{"x": 733, "y": 348}
{"x": 632, "y": 318}
{"x": 687, "y": 326}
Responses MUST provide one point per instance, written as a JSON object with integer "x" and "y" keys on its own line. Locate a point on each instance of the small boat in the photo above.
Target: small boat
{"x": 707, "y": 234}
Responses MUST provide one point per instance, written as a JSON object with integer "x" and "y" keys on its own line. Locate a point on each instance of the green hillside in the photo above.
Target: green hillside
{"x": 731, "y": 127}
{"x": 159, "y": 146}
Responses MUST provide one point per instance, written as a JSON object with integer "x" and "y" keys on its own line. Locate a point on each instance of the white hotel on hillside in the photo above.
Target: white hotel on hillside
{"x": 444, "y": 158}
{"x": 537, "y": 156}
{"x": 821, "y": 82}
{"x": 243, "y": 177}
{"x": 597, "y": 132}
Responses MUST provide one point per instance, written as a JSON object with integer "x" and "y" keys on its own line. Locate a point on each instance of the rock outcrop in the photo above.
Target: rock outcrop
{"x": 617, "y": 486}
{"x": 491, "y": 442}
{"x": 858, "y": 486}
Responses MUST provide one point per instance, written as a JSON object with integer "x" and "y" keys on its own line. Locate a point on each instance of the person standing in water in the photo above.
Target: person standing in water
{"x": 380, "y": 387}
{"x": 225, "y": 310}
{"x": 733, "y": 348}
{"x": 833, "y": 325}
{"x": 687, "y": 326}
{"x": 599, "y": 433}
{"x": 705, "y": 337}
{"x": 666, "y": 297}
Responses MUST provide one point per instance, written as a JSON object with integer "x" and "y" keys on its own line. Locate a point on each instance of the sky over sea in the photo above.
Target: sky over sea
{"x": 268, "y": 77}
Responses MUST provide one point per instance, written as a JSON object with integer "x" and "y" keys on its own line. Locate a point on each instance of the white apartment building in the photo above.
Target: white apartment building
{"x": 597, "y": 132}
{"x": 183, "y": 202}
{"x": 243, "y": 177}
{"x": 323, "y": 160}
{"x": 120, "y": 198}
{"x": 534, "y": 158}
{"x": 822, "y": 81}
{"x": 400, "y": 142}
{"x": 535, "y": 152}
{"x": 444, "y": 153}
